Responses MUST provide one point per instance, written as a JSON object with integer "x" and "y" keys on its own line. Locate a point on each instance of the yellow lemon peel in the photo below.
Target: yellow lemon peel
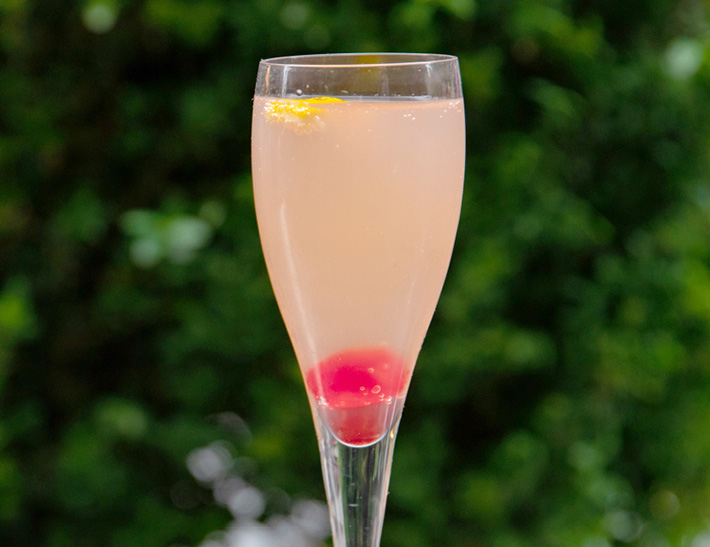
{"x": 297, "y": 114}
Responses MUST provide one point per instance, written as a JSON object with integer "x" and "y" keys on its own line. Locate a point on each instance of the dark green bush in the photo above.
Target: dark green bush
{"x": 563, "y": 394}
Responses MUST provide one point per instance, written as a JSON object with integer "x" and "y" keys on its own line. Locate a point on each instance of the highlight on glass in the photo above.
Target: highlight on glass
{"x": 358, "y": 164}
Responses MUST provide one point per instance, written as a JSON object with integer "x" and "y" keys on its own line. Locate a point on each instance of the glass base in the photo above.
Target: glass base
{"x": 356, "y": 484}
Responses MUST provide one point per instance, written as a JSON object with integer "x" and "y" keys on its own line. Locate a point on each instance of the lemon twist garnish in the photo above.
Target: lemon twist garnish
{"x": 298, "y": 114}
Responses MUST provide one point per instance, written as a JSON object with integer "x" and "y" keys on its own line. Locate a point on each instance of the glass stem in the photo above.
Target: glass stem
{"x": 356, "y": 484}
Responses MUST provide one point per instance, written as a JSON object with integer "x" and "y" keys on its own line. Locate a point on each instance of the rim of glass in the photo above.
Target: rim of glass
{"x": 338, "y": 60}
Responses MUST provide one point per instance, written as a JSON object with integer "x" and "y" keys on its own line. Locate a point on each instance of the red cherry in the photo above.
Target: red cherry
{"x": 355, "y": 390}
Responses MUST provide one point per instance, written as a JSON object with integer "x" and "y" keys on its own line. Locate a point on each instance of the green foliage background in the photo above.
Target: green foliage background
{"x": 563, "y": 394}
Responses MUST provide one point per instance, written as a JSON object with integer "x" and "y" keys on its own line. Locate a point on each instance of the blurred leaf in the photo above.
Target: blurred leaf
{"x": 89, "y": 478}
{"x": 481, "y": 77}
{"x": 17, "y": 314}
{"x": 11, "y": 487}
{"x": 175, "y": 237}
{"x": 83, "y": 218}
{"x": 195, "y": 22}
{"x": 121, "y": 419}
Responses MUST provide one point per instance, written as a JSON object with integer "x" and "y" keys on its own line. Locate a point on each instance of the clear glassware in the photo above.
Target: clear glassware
{"x": 358, "y": 163}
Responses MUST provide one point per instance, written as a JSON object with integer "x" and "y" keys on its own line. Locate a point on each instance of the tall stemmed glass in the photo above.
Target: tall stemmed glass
{"x": 358, "y": 163}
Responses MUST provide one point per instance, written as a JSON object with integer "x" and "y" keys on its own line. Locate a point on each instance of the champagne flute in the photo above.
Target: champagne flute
{"x": 358, "y": 163}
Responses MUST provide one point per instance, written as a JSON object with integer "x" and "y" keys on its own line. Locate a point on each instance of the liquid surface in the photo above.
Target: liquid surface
{"x": 357, "y": 204}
